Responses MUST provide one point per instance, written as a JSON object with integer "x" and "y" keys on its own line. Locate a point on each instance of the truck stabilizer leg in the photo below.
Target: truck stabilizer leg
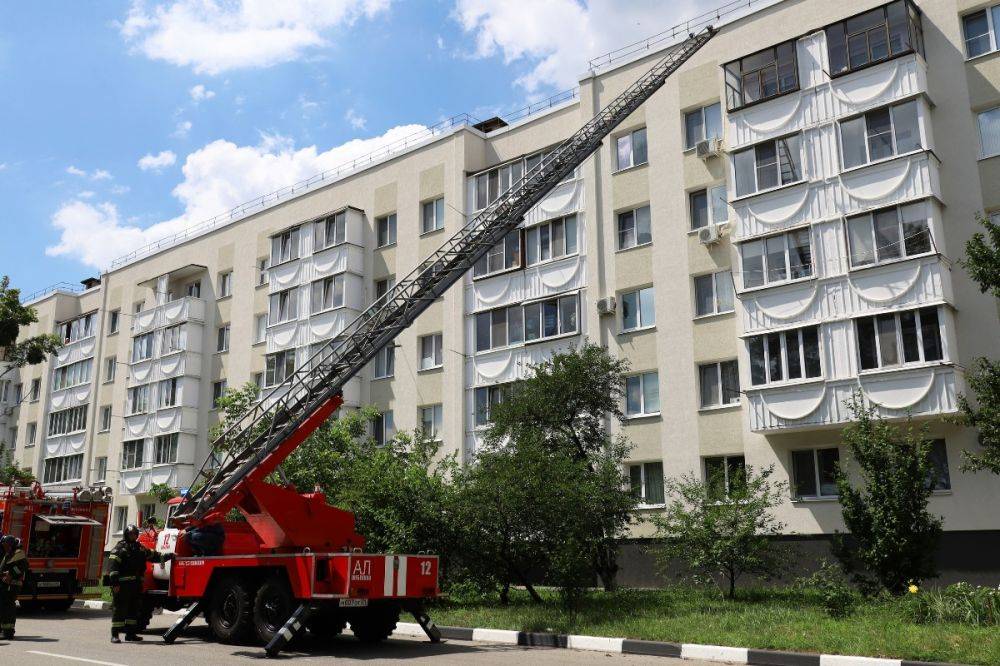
{"x": 292, "y": 627}
{"x": 182, "y": 622}
{"x": 426, "y": 623}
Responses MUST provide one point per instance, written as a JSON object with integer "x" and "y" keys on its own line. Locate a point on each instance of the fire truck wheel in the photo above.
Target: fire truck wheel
{"x": 375, "y": 623}
{"x": 272, "y": 607}
{"x": 327, "y": 623}
{"x": 58, "y": 605}
{"x": 230, "y": 612}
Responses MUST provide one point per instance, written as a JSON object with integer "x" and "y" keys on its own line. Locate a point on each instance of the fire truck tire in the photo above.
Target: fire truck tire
{"x": 230, "y": 611}
{"x": 272, "y": 606}
{"x": 327, "y": 623}
{"x": 375, "y": 623}
{"x": 58, "y": 605}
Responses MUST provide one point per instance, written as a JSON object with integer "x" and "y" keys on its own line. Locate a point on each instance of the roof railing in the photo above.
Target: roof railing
{"x": 52, "y": 288}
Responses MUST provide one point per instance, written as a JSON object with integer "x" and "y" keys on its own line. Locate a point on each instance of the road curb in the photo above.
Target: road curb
{"x": 717, "y": 653}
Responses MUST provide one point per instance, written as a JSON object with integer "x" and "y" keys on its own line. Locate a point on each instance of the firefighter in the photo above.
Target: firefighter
{"x": 126, "y": 570}
{"x": 149, "y": 535}
{"x": 13, "y": 569}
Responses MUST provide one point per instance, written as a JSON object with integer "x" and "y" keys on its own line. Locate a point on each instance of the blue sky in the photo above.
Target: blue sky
{"x": 125, "y": 121}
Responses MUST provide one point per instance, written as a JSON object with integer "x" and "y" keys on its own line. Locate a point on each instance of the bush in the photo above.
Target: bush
{"x": 838, "y": 598}
{"x": 962, "y": 603}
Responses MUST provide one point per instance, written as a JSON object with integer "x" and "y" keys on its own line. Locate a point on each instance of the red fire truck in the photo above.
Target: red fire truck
{"x": 63, "y": 537}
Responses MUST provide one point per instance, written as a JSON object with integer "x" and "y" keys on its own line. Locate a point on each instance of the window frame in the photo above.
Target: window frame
{"x": 642, "y": 494}
{"x": 899, "y": 341}
{"x": 615, "y": 145}
{"x": 321, "y": 231}
{"x": 276, "y": 367}
{"x": 640, "y": 324}
{"x": 171, "y": 442}
{"x": 817, "y": 478}
{"x": 289, "y": 240}
{"x": 635, "y": 231}
{"x": 110, "y": 368}
{"x": 979, "y": 127}
{"x": 734, "y": 94}
{"x": 643, "y": 377}
{"x": 384, "y": 363}
{"x": 799, "y": 162}
{"x": 384, "y": 427}
{"x": 219, "y": 388}
{"x": 328, "y": 290}
{"x": 391, "y": 228}
{"x": 225, "y": 284}
{"x": 64, "y": 464}
{"x": 137, "y": 400}
{"x": 877, "y": 260}
{"x": 437, "y": 351}
{"x": 914, "y": 38}
{"x": 709, "y": 194}
{"x": 762, "y": 242}
{"x": 101, "y": 471}
{"x": 495, "y": 394}
{"x": 715, "y": 277}
{"x": 437, "y": 420}
{"x": 893, "y": 126}
{"x": 721, "y": 404}
{"x": 65, "y": 418}
{"x": 522, "y": 326}
{"x": 803, "y": 377}
{"x": 701, "y": 111}
{"x": 291, "y": 310}
{"x": 436, "y": 206}
{"x": 222, "y": 338}
{"x": 729, "y": 463}
{"x": 106, "y": 414}
{"x": 133, "y": 454}
{"x": 481, "y": 269}
{"x": 140, "y": 350}
{"x": 550, "y": 225}
{"x": 114, "y": 318}
{"x": 167, "y": 388}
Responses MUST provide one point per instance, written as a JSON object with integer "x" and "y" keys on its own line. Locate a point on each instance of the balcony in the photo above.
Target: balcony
{"x": 174, "y": 312}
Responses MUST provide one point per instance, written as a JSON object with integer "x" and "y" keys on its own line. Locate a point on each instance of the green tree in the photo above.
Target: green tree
{"x": 982, "y": 256}
{"x": 11, "y": 473}
{"x": 564, "y": 406}
{"x": 13, "y": 316}
{"x": 893, "y": 537}
{"x": 162, "y": 492}
{"x": 723, "y": 537}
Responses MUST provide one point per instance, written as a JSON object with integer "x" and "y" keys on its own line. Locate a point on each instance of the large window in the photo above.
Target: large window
{"x": 385, "y": 362}
{"x": 888, "y": 234}
{"x": 504, "y": 256}
{"x": 327, "y": 293}
{"x": 642, "y": 394}
{"x": 646, "y": 481}
{"x": 724, "y": 475}
{"x": 73, "y": 374}
{"x": 630, "y": 149}
{"x": 899, "y": 338}
{"x": 431, "y": 352}
{"x": 551, "y": 240}
{"x": 701, "y": 124}
{"x": 708, "y": 206}
{"x": 638, "y": 309}
{"x": 713, "y": 293}
{"x": 142, "y": 347}
{"x": 279, "y": 367}
{"x": 524, "y": 323}
{"x": 138, "y": 400}
{"x": 167, "y": 392}
{"x": 814, "y": 473}
{"x": 384, "y": 428}
{"x": 786, "y": 355}
{"x": 172, "y": 339}
{"x": 165, "y": 449}
{"x": 132, "y": 453}
{"x": 779, "y": 258}
{"x": 768, "y": 165}
{"x": 385, "y": 230}
{"x": 60, "y": 470}
{"x": 330, "y": 231}
{"x": 486, "y": 397}
{"x": 880, "y": 134}
{"x": 432, "y": 215}
{"x": 874, "y": 36}
{"x": 720, "y": 384}
{"x": 762, "y": 75}
{"x": 69, "y": 420}
{"x": 283, "y": 306}
{"x": 989, "y": 132}
{"x": 77, "y": 329}
{"x": 285, "y": 246}
{"x": 634, "y": 228}
{"x": 430, "y": 421}
{"x": 489, "y": 185}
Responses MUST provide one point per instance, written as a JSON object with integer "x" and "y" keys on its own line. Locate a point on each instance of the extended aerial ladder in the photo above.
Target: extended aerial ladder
{"x": 256, "y": 444}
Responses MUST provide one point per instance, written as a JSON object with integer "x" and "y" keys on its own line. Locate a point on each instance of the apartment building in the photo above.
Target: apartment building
{"x": 775, "y": 230}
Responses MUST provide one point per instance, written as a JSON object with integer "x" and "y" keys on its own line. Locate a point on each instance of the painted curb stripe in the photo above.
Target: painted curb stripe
{"x": 651, "y": 648}
{"x": 843, "y": 660}
{"x": 714, "y": 653}
{"x": 532, "y": 639}
{"x": 596, "y": 643}
{"x": 455, "y": 633}
{"x": 779, "y": 658}
{"x": 496, "y": 636}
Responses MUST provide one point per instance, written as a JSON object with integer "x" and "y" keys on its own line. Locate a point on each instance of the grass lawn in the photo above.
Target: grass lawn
{"x": 781, "y": 619}
{"x": 98, "y": 592}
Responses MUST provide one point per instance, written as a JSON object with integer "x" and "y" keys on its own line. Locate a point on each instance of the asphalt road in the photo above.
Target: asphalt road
{"x": 81, "y": 637}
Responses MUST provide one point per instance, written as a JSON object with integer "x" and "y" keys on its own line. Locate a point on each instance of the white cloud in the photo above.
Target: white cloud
{"x": 86, "y": 194}
{"x": 355, "y": 120}
{"x": 557, "y": 38}
{"x": 101, "y": 174}
{"x": 97, "y": 174}
{"x": 214, "y": 36}
{"x": 157, "y": 162}
{"x": 217, "y": 177}
{"x": 120, "y": 189}
{"x": 200, "y": 92}
{"x": 73, "y": 171}
{"x": 182, "y": 129}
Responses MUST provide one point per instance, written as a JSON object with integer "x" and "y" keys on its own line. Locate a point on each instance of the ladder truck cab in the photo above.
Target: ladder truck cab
{"x": 295, "y": 563}
{"x": 63, "y": 536}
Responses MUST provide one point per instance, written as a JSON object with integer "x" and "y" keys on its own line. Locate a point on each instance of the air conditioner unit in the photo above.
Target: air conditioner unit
{"x": 606, "y": 306}
{"x": 708, "y": 235}
{"x": 708, "y": 148}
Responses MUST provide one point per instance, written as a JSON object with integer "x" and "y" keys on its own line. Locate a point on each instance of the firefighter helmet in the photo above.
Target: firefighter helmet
{"x": 9, "y": 540}
{"x": 132, "y": 531}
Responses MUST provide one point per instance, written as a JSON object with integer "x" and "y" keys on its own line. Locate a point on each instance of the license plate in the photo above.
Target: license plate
{"x": 48, "y": 583}
{"x": 353, "y": 603}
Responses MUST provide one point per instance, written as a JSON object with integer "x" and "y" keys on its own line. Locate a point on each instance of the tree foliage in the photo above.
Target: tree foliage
{"x": 162, "y": 492}
{"x": 894, "y": 537}
{"x": 723, "y": 538}
{"x": 12, "y": 474}
{"x": 982, "y": 256}
{"x": 14, "y": 316}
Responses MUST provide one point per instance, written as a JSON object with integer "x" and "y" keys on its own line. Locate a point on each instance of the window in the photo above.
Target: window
{"x": 225, "y": 284}
{"x": 66, "y": 421}
{"x": 708, "y": 207}
{"x": 382, "y": 287}
{"x": 989, "y": 132}
{"x": 505, "y": 255}
{"x": 720, "y": 384}
{"x": 31, "y": 433}
{"x": 77, "y": 329}
{"x": 384, "y": 429}
{"x": 432, "y": 215}
{"x": 110, "y": 365}
{"x": 550, "y": 318}
{"x": 257, "y": 379}
{"x": 105, "y": 418}
{"x": 121, "y": 519}
{"x": 327, "y": 293}
{"x": 142, "y": 347}
{"x": 774, "y": 259}
{"x": 172, "y": 339}
{"x": 768, "y": 165}
{"x": 489, "y": 185}
{"x": 279, "y": 367}
{"x": 713, "y": 293}
{"x": 430, "y": 421}
{"x": 113, "y": 321}
{"x": 167, "y": 392}
{"x": 638, "y": 309}
{"x": 980, "y": 31}
{"x": 762, "y": 75}
{"x": 222, "y": 338}
{"x": 940, "y": 476}
{"x": 36, "y": 389}
{"x": 646, "y": 481}
{"x": 873, "y": 36}
{"x": 701, "y": 124}
{"x": 259, "y": 328}
{"x": 431, "y": 352}
{"x": 891, "y": 233}
{"x": 73, "y": 374}
{"x": 101, "y": 463}
{"x": 283, "y": 306}
{"x": 330, "y": 231}
{"x": 724, "y": 475}
{"x": 138, "y": 399}
{"x": 814, "y": 473}
{"x": 630, "y": 149}
{"x": 898, "y": 338}
{"x": 642, "y": 394}
{"x": 138, "y": 306}
{"x": 132, "y": 453}
{"x": 218, "y": 390}
{"x": 634, "y": 228}
{"x": 193, "y": 289}
{"x": 285, "y": 246}
{"x": 786, "y": 355}
{"x": 262, "y": 274}
{"x": 385, "y": 230}
{"x": 486, "y": 397}
{"x": 61, "y": 470}
{"x": 880, "y": 134}
{"x": 17, "y": 393}
{"x": 165, "y": 449}
{"x": 551, "y": 240}
{"x": 385, "y": 362}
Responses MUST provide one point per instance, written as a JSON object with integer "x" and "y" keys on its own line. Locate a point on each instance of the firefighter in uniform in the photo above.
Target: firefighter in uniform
{"x": 13, "y": 569}
{"x": 126, "y": 570}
